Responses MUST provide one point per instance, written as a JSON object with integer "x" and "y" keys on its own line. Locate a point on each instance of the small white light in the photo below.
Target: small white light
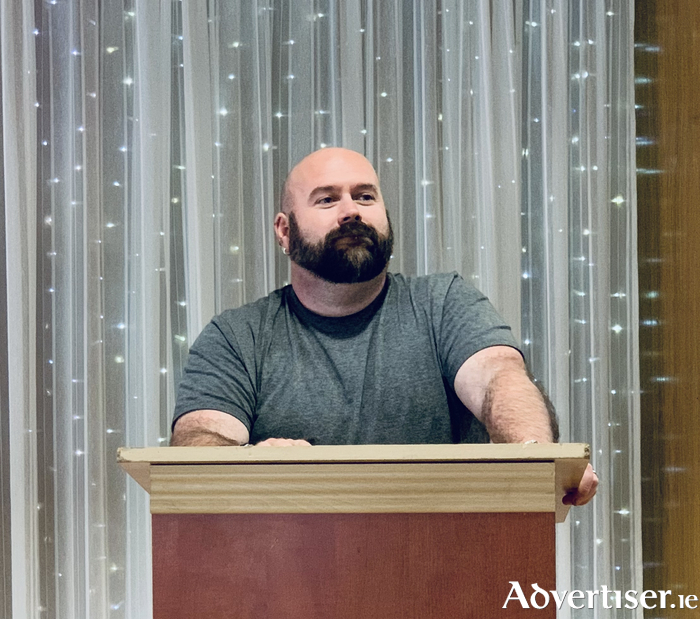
{"x": 617, "y": 328}
{"x": 223, "y": 111}
{"x": 128, "y": 81}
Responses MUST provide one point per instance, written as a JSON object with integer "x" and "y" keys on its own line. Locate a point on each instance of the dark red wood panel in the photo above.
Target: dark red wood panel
{"x": 349, "y": 566}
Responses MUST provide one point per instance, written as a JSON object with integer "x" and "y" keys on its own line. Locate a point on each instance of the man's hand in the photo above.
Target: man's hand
{"x": 283, "y": 442}
{"x": 586, "y": 489}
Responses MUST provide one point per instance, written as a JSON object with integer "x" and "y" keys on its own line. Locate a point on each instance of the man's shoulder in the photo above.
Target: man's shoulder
{"x": 252, "y": 314}
{"x": 434, "y": 284}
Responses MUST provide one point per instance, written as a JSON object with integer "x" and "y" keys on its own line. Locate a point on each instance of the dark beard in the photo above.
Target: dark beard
{"x": 352, "y": 253}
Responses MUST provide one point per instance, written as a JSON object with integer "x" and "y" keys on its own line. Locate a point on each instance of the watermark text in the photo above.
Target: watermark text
{"x": 608, "y": 598}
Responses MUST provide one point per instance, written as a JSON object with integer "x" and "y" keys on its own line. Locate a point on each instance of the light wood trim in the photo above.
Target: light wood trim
{"x": 353, "y": 488}
{"x": 140, "y": 471}
{"x": 355, "y": 453}
{"x": 201, "y": 479}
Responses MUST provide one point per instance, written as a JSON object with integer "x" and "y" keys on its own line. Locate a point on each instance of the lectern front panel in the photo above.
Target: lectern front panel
{"x": 350, "y": 566}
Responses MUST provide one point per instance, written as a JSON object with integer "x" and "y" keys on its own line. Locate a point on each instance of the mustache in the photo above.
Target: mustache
{"x": 353, "y": 228}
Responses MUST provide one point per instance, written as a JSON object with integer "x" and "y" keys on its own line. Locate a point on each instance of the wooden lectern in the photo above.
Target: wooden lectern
{"x": 353, "y": 532}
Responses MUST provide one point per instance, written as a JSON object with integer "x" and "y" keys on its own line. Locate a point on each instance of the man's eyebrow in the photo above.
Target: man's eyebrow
{"x": 366, "y": 187}
{"x": 320, "y": 190}
{"x": 335, "y": 188}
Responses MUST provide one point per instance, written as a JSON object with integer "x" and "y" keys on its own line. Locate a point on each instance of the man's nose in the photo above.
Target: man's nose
{"x": 349, "y": 211}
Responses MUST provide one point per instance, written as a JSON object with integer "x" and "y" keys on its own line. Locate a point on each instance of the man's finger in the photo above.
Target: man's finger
{"x": 585, "y": 491}
{"x": 283, "y": 442}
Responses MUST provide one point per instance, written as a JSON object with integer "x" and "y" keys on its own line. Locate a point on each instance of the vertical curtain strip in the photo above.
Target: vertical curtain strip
{"x": 160, "y": 134}
{"x": 5, "y": 506}
{"x": 17, "y": 40}
{"x": 578, "y": 204}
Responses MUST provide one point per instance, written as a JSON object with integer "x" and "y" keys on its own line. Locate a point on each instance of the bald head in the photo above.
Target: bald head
{"x": 323, "y": 168}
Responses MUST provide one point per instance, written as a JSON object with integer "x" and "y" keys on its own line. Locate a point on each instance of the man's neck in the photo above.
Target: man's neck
{"x": 327, "y": 299}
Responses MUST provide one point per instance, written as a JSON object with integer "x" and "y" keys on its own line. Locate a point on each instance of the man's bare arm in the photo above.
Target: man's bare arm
{"x": 209, "y": 428}
{"x": 494, "y": 384}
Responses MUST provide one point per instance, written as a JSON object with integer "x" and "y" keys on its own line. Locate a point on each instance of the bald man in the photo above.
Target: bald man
{"x": 350, "y": 353}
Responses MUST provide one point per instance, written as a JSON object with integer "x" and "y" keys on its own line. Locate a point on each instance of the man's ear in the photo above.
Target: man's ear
{"x": 282, "y": 230}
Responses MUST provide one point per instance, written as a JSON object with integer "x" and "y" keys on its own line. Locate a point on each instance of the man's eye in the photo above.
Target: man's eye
{"x": 367, "y": 197}
{"x": 325, "y": 200}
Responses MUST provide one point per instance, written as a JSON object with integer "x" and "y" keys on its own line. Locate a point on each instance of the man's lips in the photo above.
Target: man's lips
{"x": 353, "y": 238}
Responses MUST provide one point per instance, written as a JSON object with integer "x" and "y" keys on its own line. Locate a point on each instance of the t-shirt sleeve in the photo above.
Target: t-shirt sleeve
{"x": 469, "y": 323}
{"x": 216, "y": 376}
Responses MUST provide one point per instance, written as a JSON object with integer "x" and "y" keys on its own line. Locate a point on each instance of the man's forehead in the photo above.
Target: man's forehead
{"x": 332, "y": 167}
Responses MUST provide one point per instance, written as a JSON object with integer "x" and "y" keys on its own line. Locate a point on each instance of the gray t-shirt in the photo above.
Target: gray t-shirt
{"x": 384, "y": 375}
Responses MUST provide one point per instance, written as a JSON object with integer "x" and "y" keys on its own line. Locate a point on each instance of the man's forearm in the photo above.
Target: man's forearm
{"x": 515, "y": 410}
{"x": 200, "y": 437}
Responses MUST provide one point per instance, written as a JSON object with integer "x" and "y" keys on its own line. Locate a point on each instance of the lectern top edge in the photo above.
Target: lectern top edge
{"x": 354, "y": 453}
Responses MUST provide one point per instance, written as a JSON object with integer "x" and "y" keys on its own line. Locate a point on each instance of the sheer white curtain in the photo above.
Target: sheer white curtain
{"x": 580, "y": 315}
{"x": 144, "y": 146}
